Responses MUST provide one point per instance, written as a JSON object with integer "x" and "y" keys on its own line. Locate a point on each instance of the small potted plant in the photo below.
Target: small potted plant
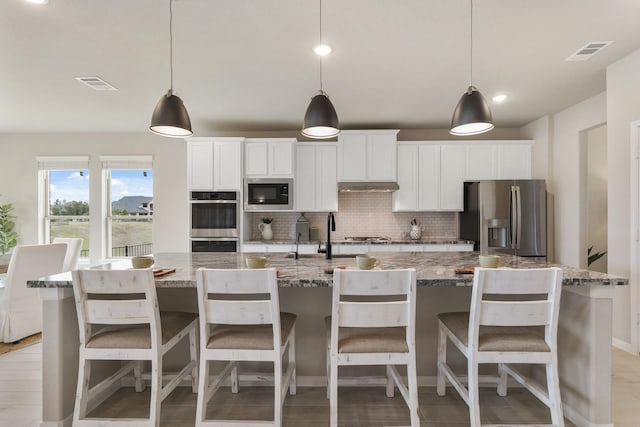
{"x": 8, "y": 236}
{"x": 265, "y": 228}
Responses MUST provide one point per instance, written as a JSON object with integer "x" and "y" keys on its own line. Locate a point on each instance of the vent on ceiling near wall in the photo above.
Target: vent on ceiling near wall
{"x": 95, "y": 83}
{"x": 587, "y": 51}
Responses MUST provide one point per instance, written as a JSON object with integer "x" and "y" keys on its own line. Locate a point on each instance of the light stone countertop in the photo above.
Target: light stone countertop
{"x": 432, "y": 268}
{"x": 350, "y": 242}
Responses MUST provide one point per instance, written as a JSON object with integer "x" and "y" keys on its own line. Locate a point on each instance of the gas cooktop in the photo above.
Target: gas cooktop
{"x": 367, "y": 239}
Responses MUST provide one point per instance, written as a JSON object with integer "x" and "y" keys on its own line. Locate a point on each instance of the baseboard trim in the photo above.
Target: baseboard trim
{"x": 622, "y": 345}
{"x": 64, "y": 423}
{"x": 579, "y": 420}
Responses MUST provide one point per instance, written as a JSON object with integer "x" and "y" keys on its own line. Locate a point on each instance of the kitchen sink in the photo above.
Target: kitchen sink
{"x": 321, "y": 256}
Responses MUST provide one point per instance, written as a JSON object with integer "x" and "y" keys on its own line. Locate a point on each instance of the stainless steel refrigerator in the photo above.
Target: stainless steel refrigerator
{"x": 506, "y": 217}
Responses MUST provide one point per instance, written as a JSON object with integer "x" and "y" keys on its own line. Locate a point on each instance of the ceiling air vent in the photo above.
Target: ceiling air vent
{"x": 587, "y": 51}
{"x": 95, "y": 83}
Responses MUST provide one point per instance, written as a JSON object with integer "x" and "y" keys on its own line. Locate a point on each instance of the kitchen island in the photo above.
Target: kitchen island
{"x": 584, "y": 334}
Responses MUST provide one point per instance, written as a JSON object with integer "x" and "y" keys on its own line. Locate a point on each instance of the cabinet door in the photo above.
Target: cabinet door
{"x": 382, "y": 157}
{"x": 481, "y": 162}
{"x": 429, "y": 178}
{"x": 227, "y": 158}
{"x": 514, "y": 161}
{"x": 200, "y": 165}
{"x": 255, "y": 159}
{"x": 280, "y": 159}
{"x": 452, "y": 163}
{"x": 326, "y": 174}
{"x": 305, "y": 178}
{"x": 352, "y": 157}
{"x": 406, "y": 198}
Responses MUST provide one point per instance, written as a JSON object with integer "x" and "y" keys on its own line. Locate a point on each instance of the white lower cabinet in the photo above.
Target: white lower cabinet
{"x": 355, "y": 249}
{"x": 254, "y": 248}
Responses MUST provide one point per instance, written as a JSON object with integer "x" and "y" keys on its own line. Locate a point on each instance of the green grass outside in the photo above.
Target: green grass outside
{"x": 125, "y": 232}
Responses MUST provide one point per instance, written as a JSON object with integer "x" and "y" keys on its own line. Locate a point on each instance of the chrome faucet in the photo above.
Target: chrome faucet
{"x": 331, "y": 226}
{"x": 296, "y": 253}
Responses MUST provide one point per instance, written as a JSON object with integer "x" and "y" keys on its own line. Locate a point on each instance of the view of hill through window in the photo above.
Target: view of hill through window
{"x": 131, "y": 199}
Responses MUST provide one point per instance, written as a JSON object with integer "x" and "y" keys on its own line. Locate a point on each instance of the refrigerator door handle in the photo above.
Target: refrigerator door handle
{"x": 519, "y": 217}
{"x": 512, "y": 217}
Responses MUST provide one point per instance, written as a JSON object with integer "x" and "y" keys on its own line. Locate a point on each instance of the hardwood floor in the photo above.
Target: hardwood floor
{"x": 21, "y": 388}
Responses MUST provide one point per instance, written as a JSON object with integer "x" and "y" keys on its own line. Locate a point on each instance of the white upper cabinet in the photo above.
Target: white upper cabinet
{"x": 515, "y": 160}
{"x": 498, "y": 160}
{"x": 316, "y": 184}
{"x": 418, "y": 177}
{"x": 227, "y": 169}
{"x": 269, "y": 157}
{"x": 367, "y": 155}
{"x": 452, "y": 165}
{"x": 214, "y": 164}
{"x": 481, "y": 162}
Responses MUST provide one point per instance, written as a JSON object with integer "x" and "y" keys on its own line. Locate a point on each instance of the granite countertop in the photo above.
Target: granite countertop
{"x": 432, "y": 268}
{"x": 349, "y": 242}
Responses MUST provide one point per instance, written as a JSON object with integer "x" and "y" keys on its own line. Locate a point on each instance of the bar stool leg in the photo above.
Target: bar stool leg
{"x": 554, "y": 393}
{"x": 442, "y": 358}
{"x": 502, "y": 380}
{"x": 474, "y": 393}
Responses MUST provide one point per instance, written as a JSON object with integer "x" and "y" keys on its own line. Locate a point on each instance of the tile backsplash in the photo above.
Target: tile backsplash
{"x": 362, "y": 214}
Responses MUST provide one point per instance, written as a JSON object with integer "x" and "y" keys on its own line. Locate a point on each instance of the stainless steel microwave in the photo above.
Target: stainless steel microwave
{"x": 268, "y": 194}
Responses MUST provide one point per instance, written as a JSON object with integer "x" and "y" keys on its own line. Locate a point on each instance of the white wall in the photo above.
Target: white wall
{"x": 541, "y": 131}
{"x": 623, "y": 87}
{"x": 597, "y": 189}
{"x": 569, "y": 130}
{"x": 19, "y": 177}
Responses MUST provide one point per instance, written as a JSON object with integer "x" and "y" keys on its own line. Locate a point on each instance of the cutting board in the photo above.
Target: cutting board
{"x": 159, "y": 272}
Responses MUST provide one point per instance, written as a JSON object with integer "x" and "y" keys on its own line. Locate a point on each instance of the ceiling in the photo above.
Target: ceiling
{"x": 248, "y": 65}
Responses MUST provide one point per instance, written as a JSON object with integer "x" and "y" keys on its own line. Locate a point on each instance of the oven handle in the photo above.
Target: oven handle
{"x": 214, "y": 239}
{"x": 214, "y": 201}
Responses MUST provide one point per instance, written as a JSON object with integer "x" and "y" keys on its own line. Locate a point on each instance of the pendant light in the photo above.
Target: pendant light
{"x": 170, "y": 117}
{"x": 472, "y": 115}
{"x": 320, "y": 120}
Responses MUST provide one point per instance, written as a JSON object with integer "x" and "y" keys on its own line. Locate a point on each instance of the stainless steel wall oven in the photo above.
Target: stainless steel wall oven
{"x": 215, "y": 221}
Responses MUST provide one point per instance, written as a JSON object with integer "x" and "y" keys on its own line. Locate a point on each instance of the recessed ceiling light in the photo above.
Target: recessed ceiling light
{"x": 38, "y": 1}
{"x": 322, "y": 49}
{"x": 499, "y": 98}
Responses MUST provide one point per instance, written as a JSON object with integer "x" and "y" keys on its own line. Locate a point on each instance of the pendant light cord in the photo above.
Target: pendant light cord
{"x": 471, "y": 43}
{"x": 171, "y": 44}
{"x": 320, "y": 24}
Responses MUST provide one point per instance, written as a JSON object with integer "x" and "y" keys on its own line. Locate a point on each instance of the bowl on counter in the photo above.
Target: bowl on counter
{"x": 489, "y": 261}
{"x": 142, "y": 261}
{"x": 256, "y": 262}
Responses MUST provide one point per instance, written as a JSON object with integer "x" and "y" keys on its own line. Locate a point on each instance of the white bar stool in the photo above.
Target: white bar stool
{"x": 136, "y": 331}
{"x": 248, "y": 327}
{"x": 373, "y": 323}
{"x": 501, "y": 330}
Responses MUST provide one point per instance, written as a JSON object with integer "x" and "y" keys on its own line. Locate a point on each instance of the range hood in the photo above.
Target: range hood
{"x": 368, "y": 186}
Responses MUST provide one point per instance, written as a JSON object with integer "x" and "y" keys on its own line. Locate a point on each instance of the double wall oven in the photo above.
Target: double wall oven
{"x": 215, "y": 221}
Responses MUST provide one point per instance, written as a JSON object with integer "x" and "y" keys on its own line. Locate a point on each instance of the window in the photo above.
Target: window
{"x": 128, "y": 205}
{"x": 64, "y": 199}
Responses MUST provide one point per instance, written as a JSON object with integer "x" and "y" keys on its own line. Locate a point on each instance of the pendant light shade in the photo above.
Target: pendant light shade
{"x": 170, "y": 117}
{"x": 472, "y": 115}
{"x": 320, "y": 120}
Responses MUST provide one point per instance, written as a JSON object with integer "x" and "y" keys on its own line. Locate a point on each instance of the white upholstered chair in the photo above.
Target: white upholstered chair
{"x": 246, "y": 327}
{"x": 21, "y": 307}
{"x": 373, "y": 323}
{"x": 136, "y": 331}
{"x": 74, "y": 246}
{"x": 503, "y": 326}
